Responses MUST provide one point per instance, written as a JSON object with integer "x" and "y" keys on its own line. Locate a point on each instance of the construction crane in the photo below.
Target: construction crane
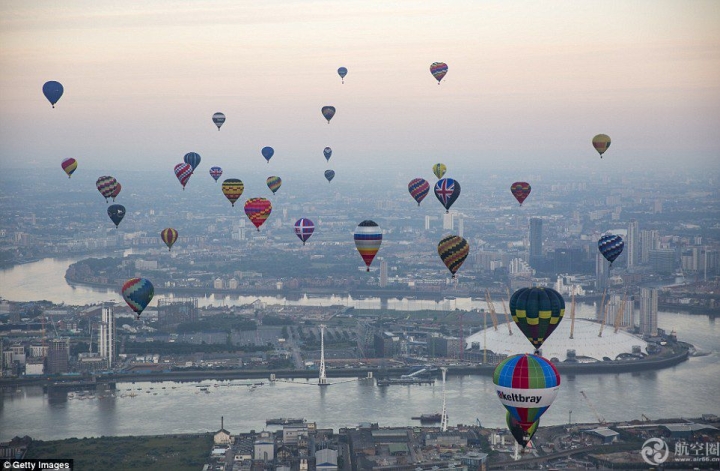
{"x": 619, "y": 316}
{"x": 507, "y": 316}
{"x": 572, "y": 313}
{"x": 604, "y": 319}
{"x": 599, "y": 418}
{"x": 602, "y": 312}
{"x": 493, "y": 317}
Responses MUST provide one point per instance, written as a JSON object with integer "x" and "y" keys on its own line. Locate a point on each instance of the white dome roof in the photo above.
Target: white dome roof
{"x": 585, "y": 341}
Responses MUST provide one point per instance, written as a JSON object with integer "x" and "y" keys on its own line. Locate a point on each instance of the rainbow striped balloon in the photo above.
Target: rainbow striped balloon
{"x": 258, "y": 210}
{"x": 138, "y": 292}
{"x": 520, "y": 191}
{"x": 368, "y": 238}
{"x": 438, "y": 69}
{"x": 526, "y": 385}
{"x": 274, "y": 183}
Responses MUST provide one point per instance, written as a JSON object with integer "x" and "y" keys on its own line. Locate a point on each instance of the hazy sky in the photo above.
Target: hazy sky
{"x": 528, "y": 82}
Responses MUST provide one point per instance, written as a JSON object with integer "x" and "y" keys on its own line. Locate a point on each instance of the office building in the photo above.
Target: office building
{"x": 383, "y": 274}
{"x": 649, "y": 240}
{"x": 106, "y": 339}
{"x": 632, "y": 244}
{"x": 648, "y": 311}
{"x": 662, "y": 261}
{"x": 58, "y": 359}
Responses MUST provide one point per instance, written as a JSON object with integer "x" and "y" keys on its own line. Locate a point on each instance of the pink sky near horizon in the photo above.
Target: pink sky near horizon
{"x": 142, "y": 82}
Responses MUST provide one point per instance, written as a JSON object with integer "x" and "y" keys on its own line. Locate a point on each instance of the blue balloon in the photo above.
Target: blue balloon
{"x": 192, "y": 159}
{"x": 116, "y": 213}
{"x": 53, "y": 91}
{"x": 329, "y": 174}
{"x": 342, "y": 72}
{"x": 327, "y": 152}
{"x": 611, "y": 246}
{"x": 267, "y": 152}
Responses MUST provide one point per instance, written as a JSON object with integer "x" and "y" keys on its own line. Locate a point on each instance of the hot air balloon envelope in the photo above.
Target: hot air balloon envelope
{"x": 107, "y": 186}
{"x": 523, "y": 437}
{"x": 447, "y": 192}
{"x": 611, "y": 246}
{"x": 274, "y": 183}
{"x": 439, "y": 170}
{"x": 169, "y": 236}
{"x": 601, "y": 142}
{"x": 116, "y": 213}
{"x": 418, "y": 188}
{"x": 328, "y": 112}
{"x": 520, "y": 190}
{"x": 537, "y": 312}
{"x": 215, "y": 172}
{"x": 327, "y": 152}
{"x": 192, "y": 158}
{"x": 233, "y": 188}
{"x": 183, "y": 172}
{"x": 304, "y": 228}
{"x": 438, "y": 69}
{"x": 218, "y": 119}
{"x": 368, "y": 238}
{"x": 526, "y": 385}
{"x": 138, "y": 292}
{"x": 329, "y": 175}
{"x": 342, "y": 72}
{"x": 258, "y": 210}
{"x": 69, "y": 165}
{"x": 53, "y": 91}
{"x": 267, "y": 152}
{"x": 453, "y": 251}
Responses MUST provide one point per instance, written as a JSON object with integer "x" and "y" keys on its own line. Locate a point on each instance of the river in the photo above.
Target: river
{"x": 686, "y": 390}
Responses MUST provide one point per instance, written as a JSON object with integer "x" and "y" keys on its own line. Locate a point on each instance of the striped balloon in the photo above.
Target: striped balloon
{"x": 438, "y": 69}
{"x": 537, "y": 312}
{"x": 526, "y": 385}
{"x": 138, "y": 292}
{"x": 258, "y": 210}
{"x": 218, "y": 118}
{"x": 192, "y": 158}
{"x": 233, "y": 188}
{"x": 453, "y": 251}
{"x": 69, "y": 165}
{"x": 215, "y": 172}
{"x": 601, "y": 142}
{"x": 106, "y": 186}
{"x": 274, "y": 183}
{"x": 169, "y": 236}
{"x": 116, "y": 191}
{"x": 183, "y": 172}
{"x": 368, "y": 238}
{"x": 521, "y": 436}
{"x": 611, "y": 246}
{"x": 418, "y": 188}
{"x": 520, "y": 190}
{"x": 304, "y": 228}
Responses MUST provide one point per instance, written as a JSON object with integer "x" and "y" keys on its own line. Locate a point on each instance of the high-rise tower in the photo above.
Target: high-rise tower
{"x": 633, "y": 243}
{"x": 106, "y": 339}
{"x": 648, "y": 311}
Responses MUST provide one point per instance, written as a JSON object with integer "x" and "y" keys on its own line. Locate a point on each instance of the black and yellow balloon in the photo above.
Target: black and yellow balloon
{"x": 537, "y": 312}
{"x": 453, "y": 251}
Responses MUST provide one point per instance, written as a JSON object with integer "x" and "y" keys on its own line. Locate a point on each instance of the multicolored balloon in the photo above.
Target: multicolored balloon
{"x": 267, "y": 152}
{"x": 116, "y": 213}
{"x": 53, "y": 91}
{"x": 438, "y": 69}
{"x": 304, "y": 228}
{"x": 69, "y": 165}
{"x": 218, "y": 118}
{"x": 601, "y": 142}
{"x": 233, "y": 188}
{"x": 274, "y": 183}
{"x": 106, "y": 185}
{"x": 418, "y": 188}
{"x": 520, "y": 190}
{"x": 611, "y": 246}
{"x": 521, "y": 436}
{"x": 327, "y": 152}
{"x": 116, "y": 191}
{"x": 183, "y": 172}
{"x": 537, "y": 312}
{"x": 138, "y": 292}
{"x": 192, "y": 158}
{"x": 328, "y": 112}
{"x": 169, "y": 236}
{"x": 215, "y": 172}
{"x": 342, "y": 72}
{"x": 526, "y": 385}
{"x": 329, "y": 175}
{"x": 258, "y": 210}
{"x": 368, "y": 238}
{"x": 439, "y": 170}
{"x": 453, "y": 251}
{"x": 447, "y": 191}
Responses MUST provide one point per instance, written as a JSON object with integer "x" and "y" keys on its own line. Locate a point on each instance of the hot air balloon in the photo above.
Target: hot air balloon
{"x": 327, "y": 152}
{"x": 453, "y": 251}
{"x": 106, "y": 186}
{"x": 183, "y": 172}
{"x": 526, "y": 385}
{"x": 274, "y": 183}
{"x": 258, "y": 210}
{"x": 368, "y": 238}
{"x": 138, "y": 292}
{"x": 215, "y": 172}
{"x": 521, "y": 436}
{"x": 69, "y": 165}
{"x": 304, "y": 228}
{"x": 267, "y": 152}
{"x": 447, "y": 191}
{"x": 611, "y": 246}
{"x": 439, "y": 170}
{"x": 232, "y": 188}
{"x": 342, "y": 72}
{"x": 116, "y": 191}
{"x": 192, "y": 158}
{"x": 520, "y": 190}
{"x": 169, "y": 236}
{"x": 116, "y": 213}
{"x": 218, "y": 118}
{"x": 53, "y": 91}
{"x": 328, "y": 112}
{"x": 601, "y": 142}
{"x": 329, "y": 174}
{"x": 418, "y": 188}
{"x": 438, "y": 69}
{"x": 537, "y": 312}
